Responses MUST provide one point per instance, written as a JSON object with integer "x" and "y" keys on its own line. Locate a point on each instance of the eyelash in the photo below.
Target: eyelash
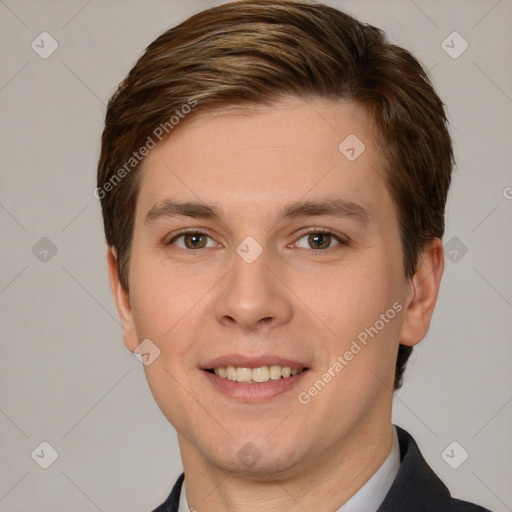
{"x": 342, "y": 241}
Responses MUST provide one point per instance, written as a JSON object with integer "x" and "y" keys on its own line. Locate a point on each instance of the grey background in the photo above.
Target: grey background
{"x": 65, "y": 375}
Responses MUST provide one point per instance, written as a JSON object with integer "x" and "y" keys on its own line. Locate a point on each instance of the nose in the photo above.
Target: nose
{"x": 253, "y": 296}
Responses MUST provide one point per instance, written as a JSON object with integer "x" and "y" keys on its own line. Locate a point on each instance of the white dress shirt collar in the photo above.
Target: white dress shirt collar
{"x": 373, "y": 492}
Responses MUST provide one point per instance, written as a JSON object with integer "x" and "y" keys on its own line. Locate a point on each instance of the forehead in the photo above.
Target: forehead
{"x": 263, "y": 157}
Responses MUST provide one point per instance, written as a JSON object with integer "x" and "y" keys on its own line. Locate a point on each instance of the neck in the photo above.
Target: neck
{"x": 322, "y": 483}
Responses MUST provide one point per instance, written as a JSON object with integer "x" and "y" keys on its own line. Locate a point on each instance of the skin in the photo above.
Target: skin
{"x": 291, "y": 302}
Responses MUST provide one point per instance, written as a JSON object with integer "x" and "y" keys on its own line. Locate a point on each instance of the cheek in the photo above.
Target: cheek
{"x": 158, "y": 303}
{"x": 347, "y": 299}
{"x": 360, "y": 308}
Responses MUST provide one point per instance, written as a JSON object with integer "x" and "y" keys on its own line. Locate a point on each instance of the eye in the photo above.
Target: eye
{"x": 191, "y": 240}
{"x": 320, "y": 239}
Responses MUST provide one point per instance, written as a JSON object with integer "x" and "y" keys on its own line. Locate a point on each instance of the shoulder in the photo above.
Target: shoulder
{"x": 465, "y": 506}
{"x": 416, "y": 487}
{"x": 171, "y": 504}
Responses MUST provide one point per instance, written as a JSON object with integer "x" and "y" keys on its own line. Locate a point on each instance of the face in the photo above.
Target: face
{"x": 278, "y": 298}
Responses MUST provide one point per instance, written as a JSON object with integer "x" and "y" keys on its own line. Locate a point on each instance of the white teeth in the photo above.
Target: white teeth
{"x": 261, "y": 374}
{"x": 275, "y": 372}
{"x": 256, "y": 375}
{"x": 243, "y": 374}
{"x": 230, "y": 373}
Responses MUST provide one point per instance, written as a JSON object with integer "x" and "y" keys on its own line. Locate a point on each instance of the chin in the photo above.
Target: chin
{"x": 257, "y": 458}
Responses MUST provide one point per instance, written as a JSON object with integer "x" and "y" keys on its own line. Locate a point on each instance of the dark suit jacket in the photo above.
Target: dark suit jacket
{"x": 416, "y": 487}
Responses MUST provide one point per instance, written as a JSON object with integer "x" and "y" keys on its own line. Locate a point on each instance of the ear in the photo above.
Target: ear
{"x": 122, "y": 300}
{"x": 424, "y": 291}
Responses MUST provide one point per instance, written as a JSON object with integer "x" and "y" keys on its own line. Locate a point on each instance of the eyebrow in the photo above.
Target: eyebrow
{"x": 332, "y": 207}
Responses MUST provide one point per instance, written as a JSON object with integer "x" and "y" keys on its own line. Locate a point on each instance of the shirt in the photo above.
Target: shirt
{"x": 368, "y": 498}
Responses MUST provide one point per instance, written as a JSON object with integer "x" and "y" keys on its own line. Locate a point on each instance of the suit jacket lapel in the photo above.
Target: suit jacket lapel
{"x": 172, "y": 503}
{"x": 416, "y": 486}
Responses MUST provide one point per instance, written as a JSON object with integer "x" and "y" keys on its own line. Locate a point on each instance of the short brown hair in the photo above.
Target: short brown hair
{"x": 256, "y": 51}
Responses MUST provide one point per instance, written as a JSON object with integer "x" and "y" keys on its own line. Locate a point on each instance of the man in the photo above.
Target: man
{"x": 273, "y": 178}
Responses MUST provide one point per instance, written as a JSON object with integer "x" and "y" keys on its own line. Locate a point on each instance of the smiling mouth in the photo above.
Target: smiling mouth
{"x": 255, "y": 375}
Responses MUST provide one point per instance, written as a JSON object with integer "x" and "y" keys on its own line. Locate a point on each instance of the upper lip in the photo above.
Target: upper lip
{"x": 251, "y": 362}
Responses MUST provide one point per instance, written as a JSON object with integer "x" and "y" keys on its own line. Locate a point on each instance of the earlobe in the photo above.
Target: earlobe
{"x": 122, "y": 300}
{"x": 424, "y": 292}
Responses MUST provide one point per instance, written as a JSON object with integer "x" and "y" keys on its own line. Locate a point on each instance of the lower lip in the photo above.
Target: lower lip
{"x": 257, "y": 392}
